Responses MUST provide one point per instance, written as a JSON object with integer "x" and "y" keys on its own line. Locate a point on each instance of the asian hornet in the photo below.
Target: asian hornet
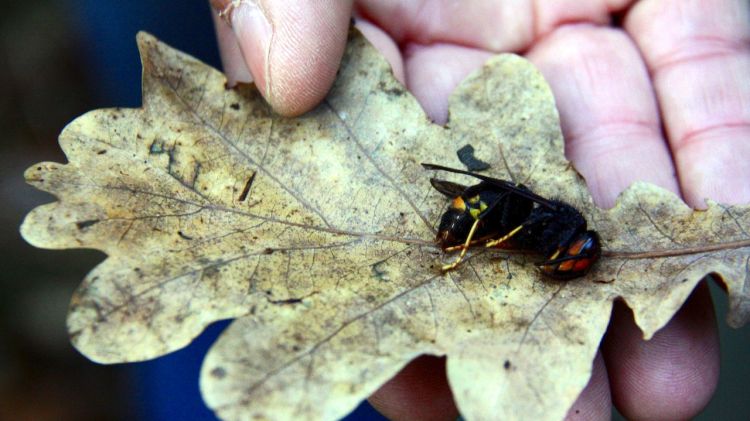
{"x": 498, "y": 213}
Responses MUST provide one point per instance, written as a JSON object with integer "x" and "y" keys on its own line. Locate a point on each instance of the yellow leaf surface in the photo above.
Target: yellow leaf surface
{"x": 317, "y": 234}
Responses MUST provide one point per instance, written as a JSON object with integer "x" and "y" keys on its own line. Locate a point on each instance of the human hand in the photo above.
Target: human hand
{"x": 662, "y": 96}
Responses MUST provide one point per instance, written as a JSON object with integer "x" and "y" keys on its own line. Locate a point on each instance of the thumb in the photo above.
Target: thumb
{"x": 291, "y": 48}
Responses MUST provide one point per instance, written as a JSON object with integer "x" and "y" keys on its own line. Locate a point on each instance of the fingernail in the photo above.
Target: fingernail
{"x": 253, "y": 31}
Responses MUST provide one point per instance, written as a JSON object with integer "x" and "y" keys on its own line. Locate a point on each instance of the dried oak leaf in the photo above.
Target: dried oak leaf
{"x": 316, "y": 234}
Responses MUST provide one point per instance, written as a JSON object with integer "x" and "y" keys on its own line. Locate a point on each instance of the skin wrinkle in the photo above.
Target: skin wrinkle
{"x": 693, "y": 33}
{"x": 608, "y": 131}
{"x": 707, "y": 134}
{"x": 620, "y": 131}
{"x": 698, "y": 44}
{"x": 725, "y": 101}
{"x": 698, "y": 48}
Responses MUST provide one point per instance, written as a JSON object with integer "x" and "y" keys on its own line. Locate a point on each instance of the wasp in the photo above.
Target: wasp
{"x": 498, "y": 213}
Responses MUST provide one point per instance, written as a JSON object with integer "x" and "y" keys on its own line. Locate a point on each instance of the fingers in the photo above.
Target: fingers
{"x": 608, "y": 113}
{"x": 699, "y": 56}
{"x": 419, "y": 392}
{"x": 292, "y": 49}
{"x": 553, "y": 14}
{"x": 232, "y": 60}
{"x": 610, "y": 121}
{"x": 385, "y": 45}
{"x": 432, "y": 72}
{"x": 594, "y": 403}
{"x": 487, "y": 25}
{"x": 671, "y": 376}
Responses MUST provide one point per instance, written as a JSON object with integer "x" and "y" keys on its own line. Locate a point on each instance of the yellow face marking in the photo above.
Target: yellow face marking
{"x": 474, "y": 200}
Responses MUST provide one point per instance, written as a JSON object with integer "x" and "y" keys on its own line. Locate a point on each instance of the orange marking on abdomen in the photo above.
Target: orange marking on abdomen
{"x": 582, "y": 265}
{"x": 566, "y": 265}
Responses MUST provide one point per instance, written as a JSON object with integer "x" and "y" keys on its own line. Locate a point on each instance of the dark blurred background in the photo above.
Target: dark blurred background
{"x": 59, "y": 59}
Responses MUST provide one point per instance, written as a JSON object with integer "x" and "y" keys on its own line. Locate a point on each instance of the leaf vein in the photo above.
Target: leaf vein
{"x": 268, "y": 375}
{"x": 232, "y": 146}
{"x": 537, "y": 315}
{"x": 383, "y": 173}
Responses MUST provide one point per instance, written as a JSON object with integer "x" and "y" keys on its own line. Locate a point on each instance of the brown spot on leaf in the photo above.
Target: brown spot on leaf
{"x": 246, "y": 189}
{"x": 218, "y": 373}
{"x": 86, "y": 224}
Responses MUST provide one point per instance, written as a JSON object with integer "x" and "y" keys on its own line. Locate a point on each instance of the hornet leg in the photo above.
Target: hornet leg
{"x": 464, "y": 248}
{"x": 504, "y": 238}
